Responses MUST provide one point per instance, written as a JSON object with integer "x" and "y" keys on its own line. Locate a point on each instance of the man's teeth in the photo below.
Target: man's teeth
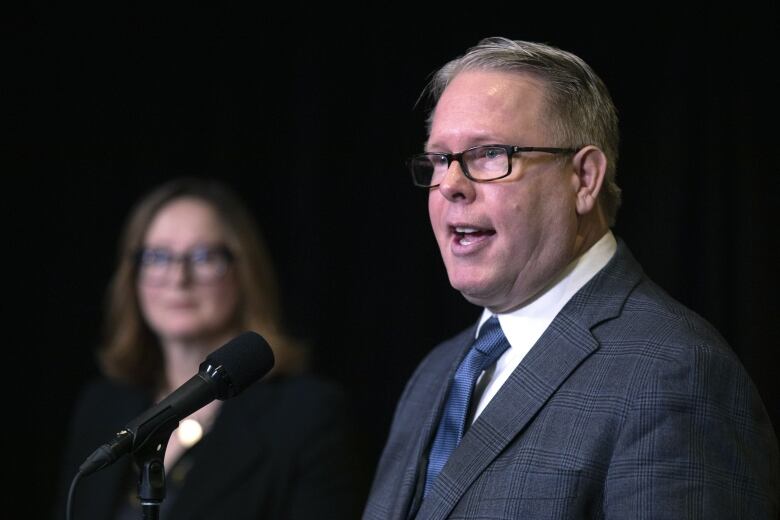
{"x": 467, "y": 235}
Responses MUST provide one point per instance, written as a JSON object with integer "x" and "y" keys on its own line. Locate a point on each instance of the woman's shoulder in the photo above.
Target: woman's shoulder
{"x": 103, "y": 397}
{"x": 298, "y": 391}
{"x": 292, "y": 403}
{"x": 101, "y": 388}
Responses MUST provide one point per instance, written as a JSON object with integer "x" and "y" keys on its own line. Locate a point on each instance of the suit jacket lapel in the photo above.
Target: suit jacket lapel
{"x": 416, "y": 462}
{"x": 546, "y": 366}
{"x": 559, "y": 351}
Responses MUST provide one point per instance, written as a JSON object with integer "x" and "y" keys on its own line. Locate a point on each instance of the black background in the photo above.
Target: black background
{"x": 310, "y": 119}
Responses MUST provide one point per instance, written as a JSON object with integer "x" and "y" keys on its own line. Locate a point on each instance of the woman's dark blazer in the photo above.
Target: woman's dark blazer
{"x": 280, "y": 450}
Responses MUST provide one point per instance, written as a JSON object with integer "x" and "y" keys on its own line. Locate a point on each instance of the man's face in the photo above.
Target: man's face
{"x": 501, "y": 241}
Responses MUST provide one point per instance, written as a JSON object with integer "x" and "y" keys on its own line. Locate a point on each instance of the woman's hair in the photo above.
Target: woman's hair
{"x": 131, "y": 351}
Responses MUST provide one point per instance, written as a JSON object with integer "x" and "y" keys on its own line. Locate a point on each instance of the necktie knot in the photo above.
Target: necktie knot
{"x": 491, "y": 341}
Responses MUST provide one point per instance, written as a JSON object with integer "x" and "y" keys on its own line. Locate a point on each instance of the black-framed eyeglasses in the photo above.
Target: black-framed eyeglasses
{"x": 202, "y": 264}
{"x": 480, "y": 163}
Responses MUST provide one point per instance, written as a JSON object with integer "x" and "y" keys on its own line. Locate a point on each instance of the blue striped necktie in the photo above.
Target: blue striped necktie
{"x": 487, "y": 348}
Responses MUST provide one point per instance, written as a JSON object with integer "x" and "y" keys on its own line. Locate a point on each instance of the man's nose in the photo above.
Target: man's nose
{"x": 455, "y": 185}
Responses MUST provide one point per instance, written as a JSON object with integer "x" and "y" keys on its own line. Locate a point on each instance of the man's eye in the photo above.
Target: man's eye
{"x": 493, "y": 153}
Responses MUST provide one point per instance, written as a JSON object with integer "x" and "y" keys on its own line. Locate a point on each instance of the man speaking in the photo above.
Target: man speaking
{"x": 584, "y": 390}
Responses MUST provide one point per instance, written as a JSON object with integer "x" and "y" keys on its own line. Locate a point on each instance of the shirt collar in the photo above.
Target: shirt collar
{"x": 549, "y": 302}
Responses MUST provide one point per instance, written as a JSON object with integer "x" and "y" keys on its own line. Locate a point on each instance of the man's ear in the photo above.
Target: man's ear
{"x": 590, "y": 166}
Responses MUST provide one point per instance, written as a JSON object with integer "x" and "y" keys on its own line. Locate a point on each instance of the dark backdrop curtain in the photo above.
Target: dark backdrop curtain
{"x": 311, "y": 122}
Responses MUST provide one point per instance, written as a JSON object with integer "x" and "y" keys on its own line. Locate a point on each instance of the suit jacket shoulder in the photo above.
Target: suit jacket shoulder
{"x": 101, "y": 410}
{"x": 628, "y": 406}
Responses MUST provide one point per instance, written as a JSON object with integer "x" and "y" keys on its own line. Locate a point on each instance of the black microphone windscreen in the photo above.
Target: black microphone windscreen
{"x": 245, "y": 359}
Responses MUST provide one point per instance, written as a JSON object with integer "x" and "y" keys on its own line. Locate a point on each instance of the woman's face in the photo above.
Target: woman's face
{"x": 187, "y": 286}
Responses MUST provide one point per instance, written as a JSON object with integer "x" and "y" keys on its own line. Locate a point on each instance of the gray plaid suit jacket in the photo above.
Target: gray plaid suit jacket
{"x": 629, "y": 406}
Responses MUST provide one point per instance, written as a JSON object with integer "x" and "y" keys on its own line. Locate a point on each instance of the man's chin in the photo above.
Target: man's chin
{"x": 476, "y": 294}
{"x": 495, "y": 301}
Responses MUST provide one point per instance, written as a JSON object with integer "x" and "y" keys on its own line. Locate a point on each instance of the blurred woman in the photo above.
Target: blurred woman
{"x": 193, "y": 273}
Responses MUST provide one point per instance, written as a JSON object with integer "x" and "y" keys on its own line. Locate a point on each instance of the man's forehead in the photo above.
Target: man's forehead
{"x": 492, "y": 79}
{"x": 483, "y": 103}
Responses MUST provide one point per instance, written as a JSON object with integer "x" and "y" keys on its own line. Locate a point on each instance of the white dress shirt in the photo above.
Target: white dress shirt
{"x": 525, "y": 325}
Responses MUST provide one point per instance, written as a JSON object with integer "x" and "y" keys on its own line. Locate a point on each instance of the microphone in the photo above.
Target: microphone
{"x": 225, "y": 373}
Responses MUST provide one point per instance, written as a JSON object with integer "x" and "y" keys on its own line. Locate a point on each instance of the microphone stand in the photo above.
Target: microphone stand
{"x": 150, "y": 457}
